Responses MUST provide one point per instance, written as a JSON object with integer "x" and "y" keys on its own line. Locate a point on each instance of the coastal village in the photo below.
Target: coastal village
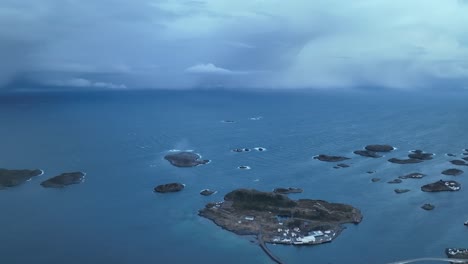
{"x": 297, "y": 236}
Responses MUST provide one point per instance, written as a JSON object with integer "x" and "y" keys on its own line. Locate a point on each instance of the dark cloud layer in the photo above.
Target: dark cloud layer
{"x": 116, "y": 44}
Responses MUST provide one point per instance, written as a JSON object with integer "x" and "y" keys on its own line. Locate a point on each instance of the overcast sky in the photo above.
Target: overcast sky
{"x": 273, "y": 44}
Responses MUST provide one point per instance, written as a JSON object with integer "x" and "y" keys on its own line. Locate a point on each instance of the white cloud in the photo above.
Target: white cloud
{"x": 208, "y": 68}
{"x": 80, "y": 82}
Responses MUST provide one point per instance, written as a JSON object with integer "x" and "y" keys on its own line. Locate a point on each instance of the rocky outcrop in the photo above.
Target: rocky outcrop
{"x": 64, "y": 179}
{"x": 379, "y": 148}
{"x": 185, "y": 159}
{"x": 441, "y": 186}
{"x": 459, "y": 162}
{"x": 414, "y": 175}
{"x": 207, "y": 192}
{"x": 428, "y": 207}
{"x": 367, "y": 153}
{"x": 169, "y": 187}
{"x": 328, "y": 158}
{"x": 341, "y": 165}
{"x": 12, "y": 178}
{"x": 401, "y": 190}
{"x": 452, "y": 172}
{"x": 404, "y": 161}
{"x": 395, "y": 181}
{"x": 419, "y": 154}
{"x": 241, "y": 150}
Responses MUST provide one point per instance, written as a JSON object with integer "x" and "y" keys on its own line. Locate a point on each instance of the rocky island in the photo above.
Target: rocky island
{"x": 395, "y": 181}
{"x": 459, "y": 162}
{"x": 328, "y": 158}
{"x": 274, "y": 218}
{"x": 414, "y": 175}
{"x": 207, "y": 192}
{"x": 169, "y": 187}
{"x": 241, "y": 150}
{"x": 415, "y": 156}
{"x": 185, "y": 159}
{"x": 367, "y": 153}
{"x": 379, "y": 148}
{"x": 441, "y": 186}
{"x": 11, "y": 178}
{"x": 405, "y": 161}
{"x": 452, "y": 172}
{"x": 421, "y": 155}
{"x": 64, "y": 179}
{"x": 399, "y": 191}
{"x": 428, "y": 207}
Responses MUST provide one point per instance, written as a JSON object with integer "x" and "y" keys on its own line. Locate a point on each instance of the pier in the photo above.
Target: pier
{"x": 262, "y": 245}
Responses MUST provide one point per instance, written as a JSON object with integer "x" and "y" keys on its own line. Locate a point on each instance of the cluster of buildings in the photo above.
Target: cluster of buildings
{"x": 456, "y": 251}
{"x": 295, "y": 237}
{"x": 453, "y": 186}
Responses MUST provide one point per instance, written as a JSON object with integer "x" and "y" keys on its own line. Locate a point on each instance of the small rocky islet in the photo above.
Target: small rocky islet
{"x": 274, "y": 218}
{"x": 395, "y": 181}
{"x": 169, "y": 187}
{"x": 399, "y": 191}
{"x": 404, "y": 161}
{"x": 64, "y": 179}
{"x": 207, "y": 192}
{"x": 341, "y": 165}
{"x": 459, "y": 162}
{"x": 414, "y": 175}
{"x": 367, "y": 153}
{"x": 428, "y": 207}
{"x": 329, "y": 158}
{"x": 260, "y": 149}
{"x": 241, "y": 150}
{"x": 379, "y": 148}
{"x": 441, "y": 186}
{"x": 12, "y": 178}
{"x": 415, "y": 156}
{"x": 421, "y": 155}
{"x": 185, "y": 159}
{"x": 371, "y": 151}
{"x": 452, "y": 172}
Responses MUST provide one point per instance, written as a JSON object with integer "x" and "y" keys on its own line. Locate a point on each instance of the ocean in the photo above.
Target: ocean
{"x": 120, "y": 138}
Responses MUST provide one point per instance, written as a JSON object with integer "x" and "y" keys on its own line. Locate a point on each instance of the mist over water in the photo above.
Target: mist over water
{"x": 120, "y": 139}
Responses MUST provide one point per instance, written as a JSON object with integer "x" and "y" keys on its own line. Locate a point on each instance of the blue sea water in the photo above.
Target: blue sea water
{"x": 119, "y": 139}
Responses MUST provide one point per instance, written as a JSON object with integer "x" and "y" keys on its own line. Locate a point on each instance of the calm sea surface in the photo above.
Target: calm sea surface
{"x": 119, "y": 140}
